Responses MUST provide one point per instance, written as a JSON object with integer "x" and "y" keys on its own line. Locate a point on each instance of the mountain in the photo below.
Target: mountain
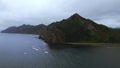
{"x": 20, "y": 29}
{"x": 27, "y": 29}
{"x": 73, "y": 29}
{"x": 79, "y": 29}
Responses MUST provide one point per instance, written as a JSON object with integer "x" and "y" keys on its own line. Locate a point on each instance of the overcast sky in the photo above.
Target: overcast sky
{"x": 18, "y": 12}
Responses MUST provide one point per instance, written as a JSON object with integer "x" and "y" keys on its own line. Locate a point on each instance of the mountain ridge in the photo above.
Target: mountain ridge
{"x": 73, "y": 29}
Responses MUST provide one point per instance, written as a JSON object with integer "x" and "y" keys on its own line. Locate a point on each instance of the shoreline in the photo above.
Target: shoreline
{"x": 83, "y": 45}
{"x": 94, "y": 44}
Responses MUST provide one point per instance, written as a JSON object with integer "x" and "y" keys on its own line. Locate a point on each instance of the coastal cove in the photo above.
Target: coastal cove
{"x": 27, "y": 51}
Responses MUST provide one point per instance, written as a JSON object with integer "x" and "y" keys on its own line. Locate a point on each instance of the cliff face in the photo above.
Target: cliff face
{"x": 52, "y": 35}
{"x": 72, "y": 29}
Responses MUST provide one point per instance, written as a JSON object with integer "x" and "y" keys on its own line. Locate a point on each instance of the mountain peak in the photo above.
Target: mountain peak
{"x": 76, "y": 16}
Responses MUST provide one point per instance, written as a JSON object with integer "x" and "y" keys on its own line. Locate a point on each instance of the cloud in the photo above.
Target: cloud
{"x": 17, "y": 12}
{"x": 110, "y": 20}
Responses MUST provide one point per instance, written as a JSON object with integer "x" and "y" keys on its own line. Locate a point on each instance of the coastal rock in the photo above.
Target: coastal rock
{"x": 52, "y": 35}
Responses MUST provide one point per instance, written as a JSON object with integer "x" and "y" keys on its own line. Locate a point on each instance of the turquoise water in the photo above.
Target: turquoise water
{"x": 27, "y": 51}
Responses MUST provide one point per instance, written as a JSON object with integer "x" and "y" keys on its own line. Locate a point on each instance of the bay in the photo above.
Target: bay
{"x": 27, "y": 51}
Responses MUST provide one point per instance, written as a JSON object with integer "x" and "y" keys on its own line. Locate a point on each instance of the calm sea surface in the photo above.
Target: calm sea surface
{"x": 26, "y": 51}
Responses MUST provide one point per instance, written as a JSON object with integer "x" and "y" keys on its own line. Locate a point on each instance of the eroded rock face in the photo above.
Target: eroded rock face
{"x": 52, "y": 35}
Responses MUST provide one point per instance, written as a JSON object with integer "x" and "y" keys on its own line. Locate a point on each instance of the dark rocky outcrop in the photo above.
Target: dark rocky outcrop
{"x": 52, "y": 35}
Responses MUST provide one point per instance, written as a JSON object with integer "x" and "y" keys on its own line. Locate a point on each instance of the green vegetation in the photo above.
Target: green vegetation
{"x": 73, "y": 29}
